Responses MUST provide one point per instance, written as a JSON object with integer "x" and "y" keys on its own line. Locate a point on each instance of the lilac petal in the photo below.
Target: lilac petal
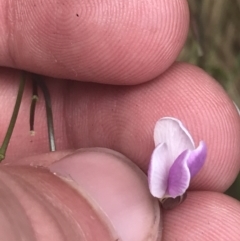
{"x": 172, "y": 132}
{"x": 187, "y": 165}
{"x": 158, "y": 171}
{"x": 197, "y": 159}
{"x": 179, "y": 175}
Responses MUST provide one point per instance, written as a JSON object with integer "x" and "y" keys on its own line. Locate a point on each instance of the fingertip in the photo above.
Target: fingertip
{"x": 210, "y": 115}
{"x": 92, "y": 187}
{"x": 118, "y": 187}
{"x": 223, "y": 134}
{"x": 96, "y": 41}
{"x": 203, "y": 216}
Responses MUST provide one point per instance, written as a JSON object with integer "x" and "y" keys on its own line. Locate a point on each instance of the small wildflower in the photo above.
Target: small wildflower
{"x": 174, "y": 161}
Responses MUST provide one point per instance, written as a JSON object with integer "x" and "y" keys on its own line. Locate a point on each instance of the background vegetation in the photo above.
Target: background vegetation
{"x": 214, "y": 45}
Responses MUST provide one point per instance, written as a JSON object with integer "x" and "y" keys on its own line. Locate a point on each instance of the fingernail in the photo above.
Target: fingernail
{"x": 117, "y": 186}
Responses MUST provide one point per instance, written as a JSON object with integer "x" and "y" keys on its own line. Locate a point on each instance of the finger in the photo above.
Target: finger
{"x": 123, "y": 119}
{"x": 102, "y": 41}
{"x": 84, "y": 204}
{"x": 203, "y": 216}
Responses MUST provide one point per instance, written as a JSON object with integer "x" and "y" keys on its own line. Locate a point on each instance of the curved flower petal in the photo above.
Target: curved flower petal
{"x": 187, "y": 165}
{"x": 158, "y": 171}
{"x": 197, "y": 159}
{"x": 172, "y": 132}
{"x": 179, "y": 175}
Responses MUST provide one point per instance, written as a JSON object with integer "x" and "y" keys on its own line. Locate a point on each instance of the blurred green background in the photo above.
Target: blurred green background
{"x": 214, "y": 45}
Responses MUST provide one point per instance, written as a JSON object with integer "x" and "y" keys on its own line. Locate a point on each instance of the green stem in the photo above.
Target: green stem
{"x": 8, "y": 135}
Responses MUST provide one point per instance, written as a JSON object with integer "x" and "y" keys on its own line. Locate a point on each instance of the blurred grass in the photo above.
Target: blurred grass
{"x": 214, "y": 45}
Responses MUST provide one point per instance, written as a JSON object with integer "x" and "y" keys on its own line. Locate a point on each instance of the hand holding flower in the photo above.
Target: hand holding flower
{"x": 131, "y": 43}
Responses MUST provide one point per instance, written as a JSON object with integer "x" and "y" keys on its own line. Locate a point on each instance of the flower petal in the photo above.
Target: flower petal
{"x": 186, "y": 166}
{"x": 172, "y": 132}
{"x": 197, "y": 158}
{"x": 158, "y": 171}
{"x": 179, "y": 176}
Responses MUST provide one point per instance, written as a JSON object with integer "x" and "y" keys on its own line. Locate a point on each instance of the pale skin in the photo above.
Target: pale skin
{"x": 103, "y": 42}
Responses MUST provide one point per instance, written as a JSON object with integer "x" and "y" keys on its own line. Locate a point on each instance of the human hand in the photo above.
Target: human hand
{"x": 114, "y": 43}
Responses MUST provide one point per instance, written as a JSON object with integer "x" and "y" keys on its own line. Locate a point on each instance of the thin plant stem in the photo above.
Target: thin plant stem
{"x": 49, "y": 114}
{"x": 8, "y": 135}
{"x": 33, "y": 105}
{"x": 198, "y": 33}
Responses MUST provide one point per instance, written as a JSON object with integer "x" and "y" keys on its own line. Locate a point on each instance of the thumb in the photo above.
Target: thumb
{"x": 94, "y": 193}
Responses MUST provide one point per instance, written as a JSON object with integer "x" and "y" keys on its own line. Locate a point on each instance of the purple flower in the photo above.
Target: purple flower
{"x": 175, "y": 160}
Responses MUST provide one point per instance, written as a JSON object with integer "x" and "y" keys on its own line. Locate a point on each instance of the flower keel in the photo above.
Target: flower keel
{"x": 186, "y": 166}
